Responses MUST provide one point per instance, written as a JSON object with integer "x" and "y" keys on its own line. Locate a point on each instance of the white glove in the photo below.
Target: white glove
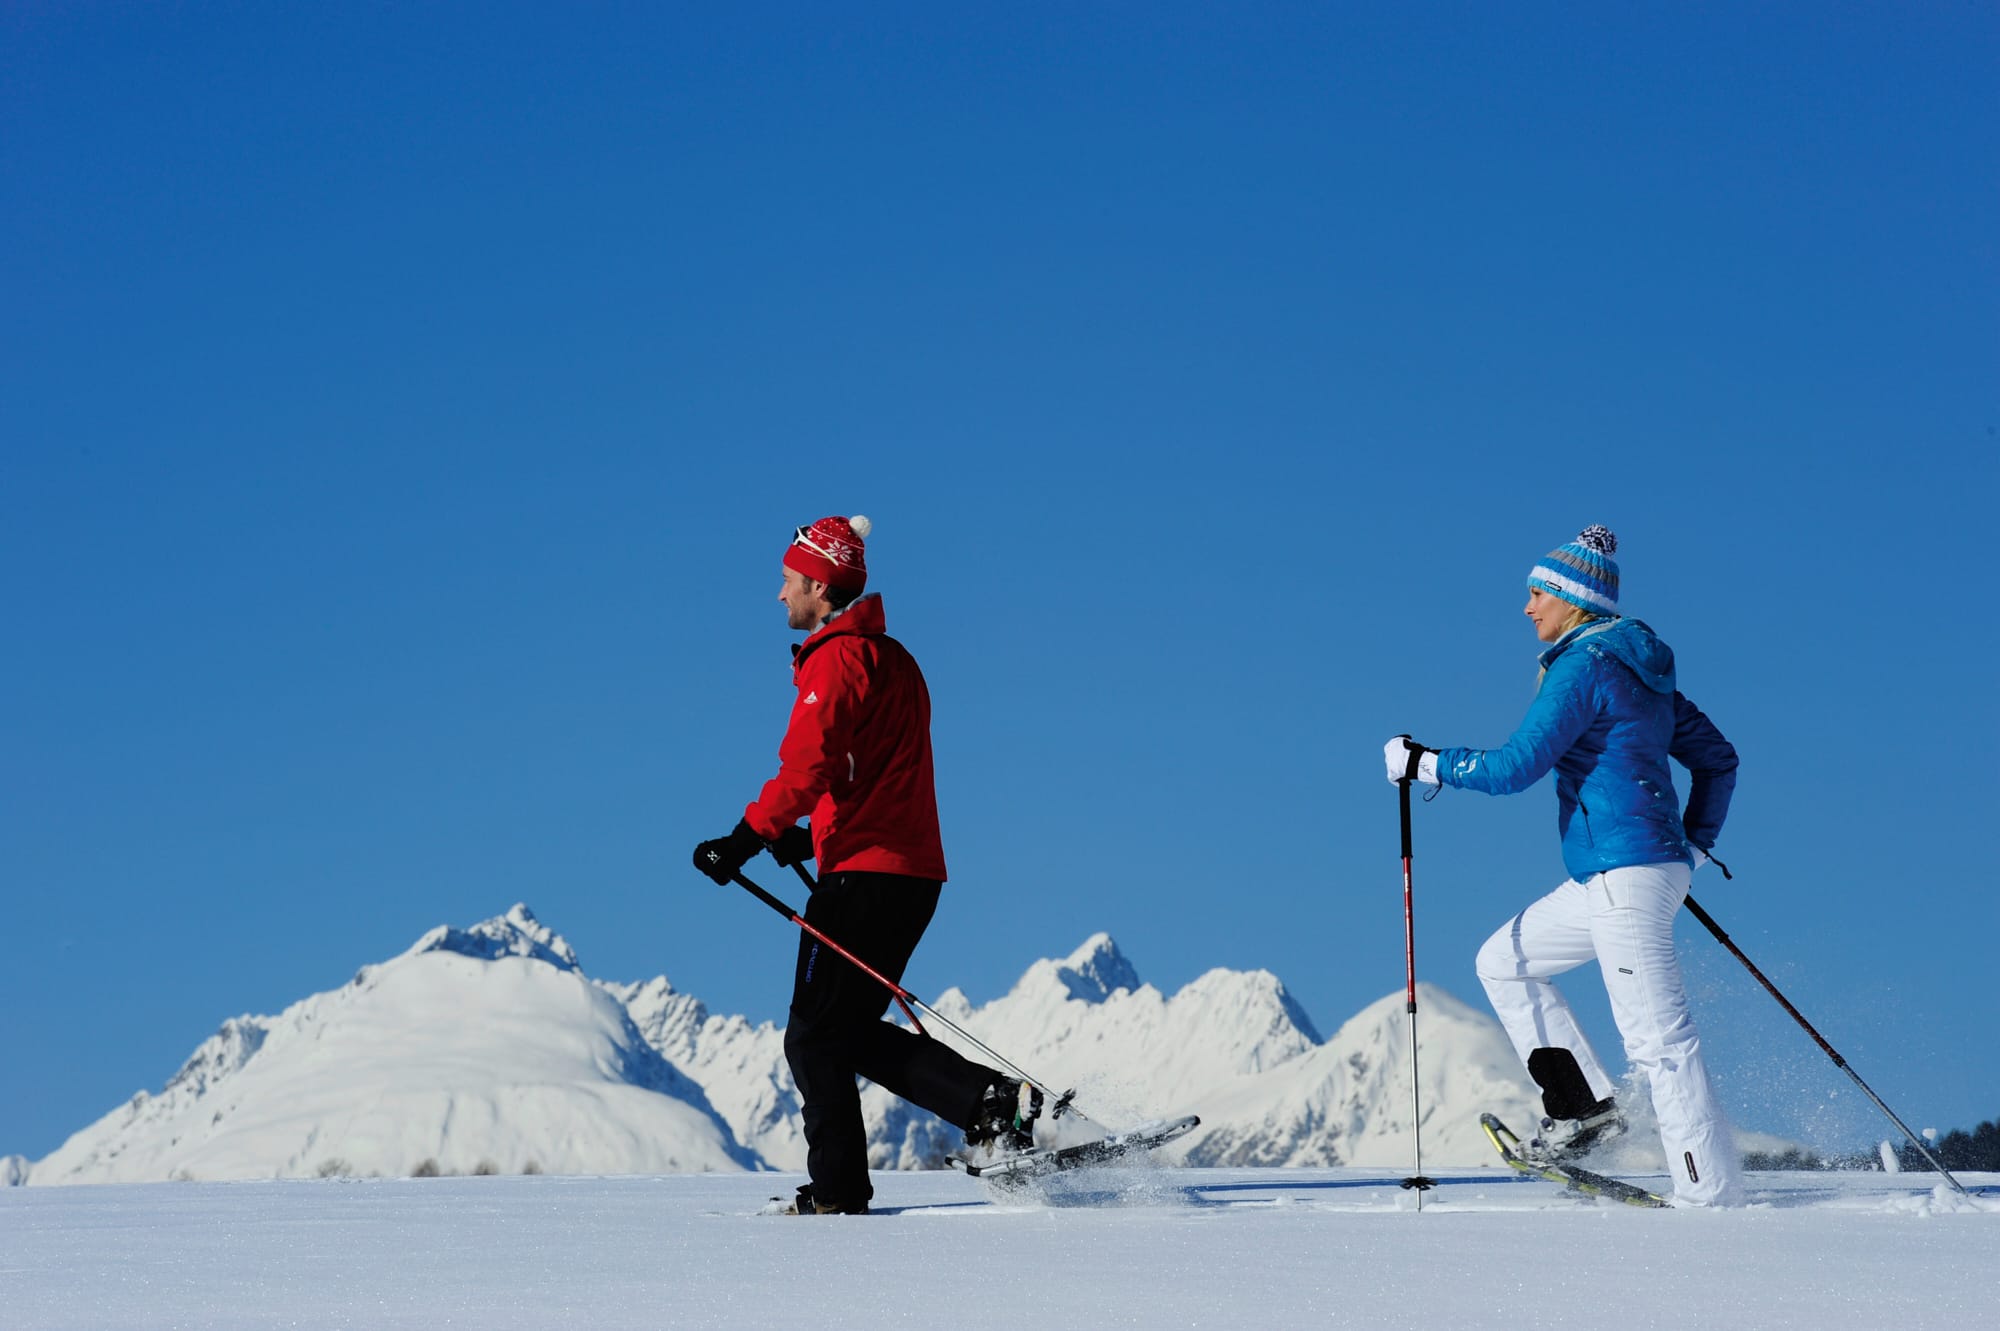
{"x": 1700, "y": 856}
{"x": 1396, "y": 756}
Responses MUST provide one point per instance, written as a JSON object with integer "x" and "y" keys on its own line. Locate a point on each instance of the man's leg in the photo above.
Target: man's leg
{"x": 831, "y": 1000}
{"x": 836, "y": 1031}
{"x": 926, "y": 1072}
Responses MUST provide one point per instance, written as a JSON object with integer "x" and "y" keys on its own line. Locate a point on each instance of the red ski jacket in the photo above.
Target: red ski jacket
{"x": 857, "y": 753}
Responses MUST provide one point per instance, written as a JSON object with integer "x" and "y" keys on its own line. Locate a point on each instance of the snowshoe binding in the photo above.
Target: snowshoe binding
{"x": 1563, "y": 1140}
{"x": 1005, "y": 1121}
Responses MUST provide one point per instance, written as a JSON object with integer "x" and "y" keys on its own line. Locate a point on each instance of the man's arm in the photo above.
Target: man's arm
{"x": 816, "y": 744}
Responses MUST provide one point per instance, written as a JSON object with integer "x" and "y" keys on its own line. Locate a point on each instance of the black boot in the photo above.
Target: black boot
{"x": 1577, "y": 1121}
{"x": 1004, "y": 1123}
{"x": 807, "y": 1204}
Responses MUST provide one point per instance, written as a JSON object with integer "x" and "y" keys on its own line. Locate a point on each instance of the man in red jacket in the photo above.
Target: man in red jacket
{"x": 857, "y": 758}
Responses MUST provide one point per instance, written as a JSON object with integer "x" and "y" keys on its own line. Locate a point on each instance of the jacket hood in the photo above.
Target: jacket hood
{"x": 1627, "y": 641}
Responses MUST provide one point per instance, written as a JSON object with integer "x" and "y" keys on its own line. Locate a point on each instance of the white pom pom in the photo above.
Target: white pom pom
{"x": 862, "y": 526}
{"x": 1599, "y": 538}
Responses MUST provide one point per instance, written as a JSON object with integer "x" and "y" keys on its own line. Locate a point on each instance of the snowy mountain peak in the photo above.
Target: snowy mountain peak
{"x": 1393, "y": 1009}
{"x": 516, "y": 934}
{"x": 1097, "y": 970}
{"x": 457, "y": 1056}
{"x": 219, "y": 1055}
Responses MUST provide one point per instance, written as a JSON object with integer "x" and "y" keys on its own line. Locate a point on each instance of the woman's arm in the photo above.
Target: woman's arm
{"x": 1711, "y": 763}
{"x": 1561, "y": 712}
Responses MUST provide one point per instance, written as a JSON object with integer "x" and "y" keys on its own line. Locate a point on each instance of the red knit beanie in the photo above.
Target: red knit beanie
{"x": 830, "y": 551}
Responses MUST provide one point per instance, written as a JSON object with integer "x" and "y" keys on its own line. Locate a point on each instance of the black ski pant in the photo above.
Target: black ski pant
{"x": 836, "y": 1030}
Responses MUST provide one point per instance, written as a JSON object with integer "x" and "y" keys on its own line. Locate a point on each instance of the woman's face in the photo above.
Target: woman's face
{"x": 1551, "y": 614}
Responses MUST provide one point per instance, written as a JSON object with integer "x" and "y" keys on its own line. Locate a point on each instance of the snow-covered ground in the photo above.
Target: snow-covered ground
{"x": 1152, "y": 1247}
{"x": 488, "y": 1049}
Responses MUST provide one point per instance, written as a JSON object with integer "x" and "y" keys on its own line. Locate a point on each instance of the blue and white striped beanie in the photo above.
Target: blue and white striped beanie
{"x": 1582, "y": 572}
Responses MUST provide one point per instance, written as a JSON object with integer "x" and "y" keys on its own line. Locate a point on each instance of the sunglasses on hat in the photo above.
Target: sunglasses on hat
{"x": 804, "y": 538}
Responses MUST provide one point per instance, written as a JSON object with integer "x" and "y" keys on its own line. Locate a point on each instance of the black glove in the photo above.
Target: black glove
{"x": 793, "y": 846}
{"x": 721, "y": 858}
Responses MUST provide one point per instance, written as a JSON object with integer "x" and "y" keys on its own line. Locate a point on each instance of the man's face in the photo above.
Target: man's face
{"x": 805, "y": 600}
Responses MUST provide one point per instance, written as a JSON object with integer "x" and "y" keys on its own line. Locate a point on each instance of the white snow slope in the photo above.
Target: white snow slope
{"x": 1209, "y": 1248}
{"x": 489, "y": 1050}
{"x": 477, "y": 1050}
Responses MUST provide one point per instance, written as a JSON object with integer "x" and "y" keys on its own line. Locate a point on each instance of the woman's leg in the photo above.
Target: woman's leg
{"x": 1632, "y": 927}
{"x": 1516, "y": 965}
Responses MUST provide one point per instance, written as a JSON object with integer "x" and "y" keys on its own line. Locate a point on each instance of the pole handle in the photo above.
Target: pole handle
{"x": 1403, "y": 794}
{"x": 766, "y": 898}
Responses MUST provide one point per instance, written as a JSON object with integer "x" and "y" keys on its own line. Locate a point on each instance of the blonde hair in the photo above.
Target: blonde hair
{"x": 1576, "y": 618}
{"x": 1577, "y": 615}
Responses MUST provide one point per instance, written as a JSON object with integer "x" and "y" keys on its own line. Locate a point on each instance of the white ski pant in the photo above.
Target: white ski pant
{"x": 1624, "y": 918}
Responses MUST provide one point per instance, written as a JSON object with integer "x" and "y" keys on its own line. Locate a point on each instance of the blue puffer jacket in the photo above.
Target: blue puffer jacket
{"x": 1607, "y": 718}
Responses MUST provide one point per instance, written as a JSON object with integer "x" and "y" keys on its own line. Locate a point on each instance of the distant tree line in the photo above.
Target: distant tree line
{"x": 1956, "y": 1150}
{"x": 428, "y": 1168}
{"x": 334, "y": 1168}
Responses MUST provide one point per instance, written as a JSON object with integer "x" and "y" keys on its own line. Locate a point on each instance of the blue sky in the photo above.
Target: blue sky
{"x": 405, "y": 409}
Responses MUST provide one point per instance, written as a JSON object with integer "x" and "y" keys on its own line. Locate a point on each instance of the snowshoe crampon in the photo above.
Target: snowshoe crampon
{"x": 1576, "y": 1179}
{"x": 1037, "y": 1162}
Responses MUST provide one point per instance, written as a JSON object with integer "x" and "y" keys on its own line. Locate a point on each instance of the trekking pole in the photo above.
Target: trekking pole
{"x": 1694, "y": 908}
{"x": 904, "y": 998}
{"x": 1416, "y": 1181}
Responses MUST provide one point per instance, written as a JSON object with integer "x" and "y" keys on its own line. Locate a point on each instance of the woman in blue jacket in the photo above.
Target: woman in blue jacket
{"x": 1606, "y": 718}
